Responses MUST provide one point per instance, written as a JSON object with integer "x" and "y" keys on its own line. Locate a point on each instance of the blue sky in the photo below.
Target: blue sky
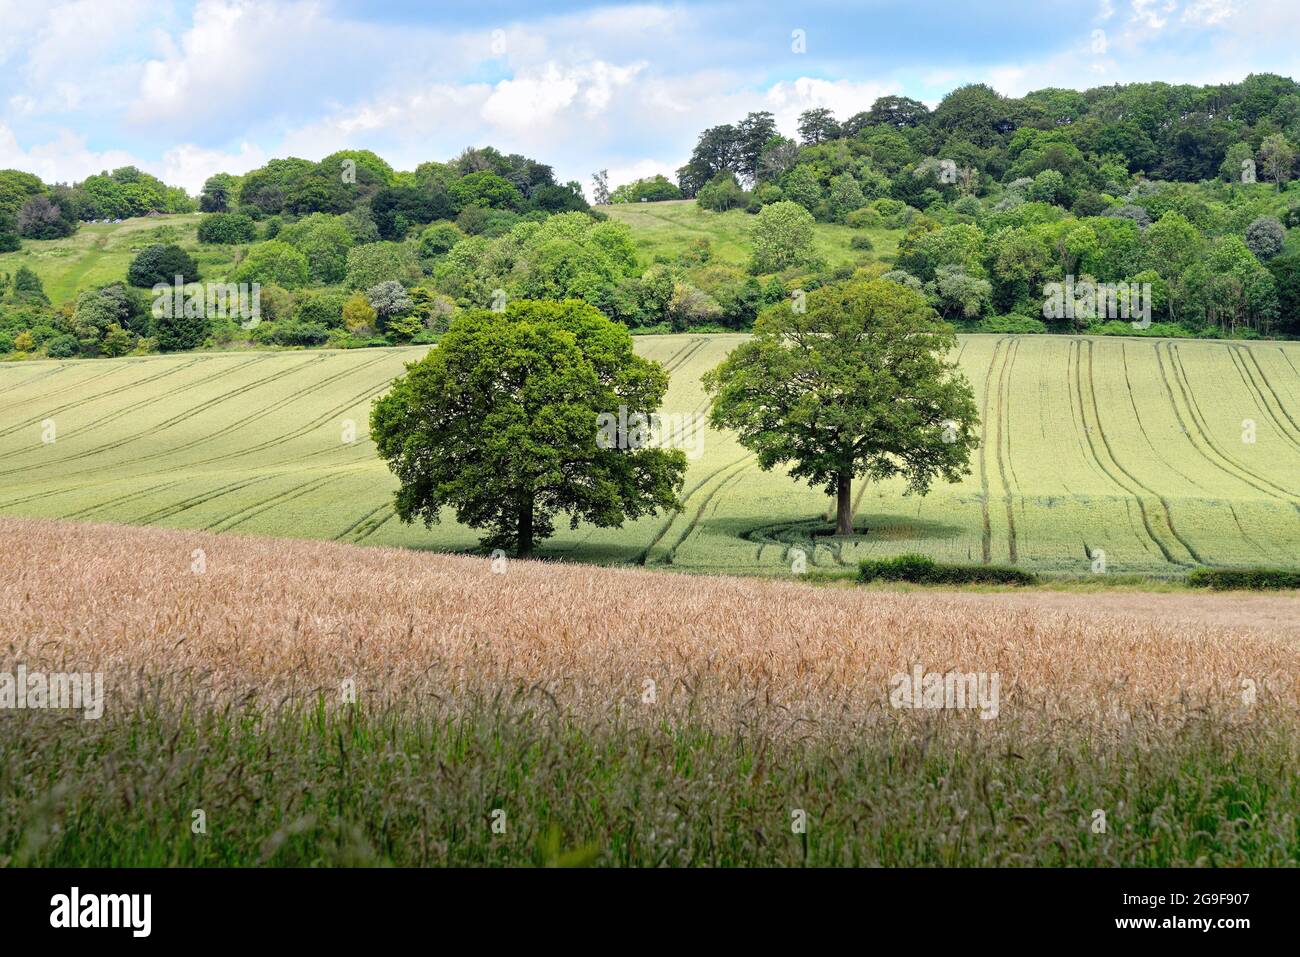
{"x": 187, "y": 89}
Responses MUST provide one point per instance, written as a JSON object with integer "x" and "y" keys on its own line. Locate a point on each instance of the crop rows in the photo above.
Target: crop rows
{"x": 1153, "y": 456}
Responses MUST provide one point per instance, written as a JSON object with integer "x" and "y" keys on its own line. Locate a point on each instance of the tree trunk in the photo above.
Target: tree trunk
{"x": 525, "y": 524}
{"x": 844, "y": 504}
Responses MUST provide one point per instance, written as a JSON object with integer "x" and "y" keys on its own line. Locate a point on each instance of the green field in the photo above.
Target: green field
{"x": 1134, "y": 447}
{"x": 668, "y": 228}
{"x": 99, "y": 253}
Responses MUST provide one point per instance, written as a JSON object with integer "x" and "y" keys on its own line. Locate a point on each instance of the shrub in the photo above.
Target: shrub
{"x": 320, "y": 308}
{"x": 439, "y": 238}
{"x": 227, "y": 229}
{"x": 1013, "y": 324}
{"x": 294, "y": 334}
{"x": 275, "y": 262}
{"x": 1265, "y": 236}
{"x": 1257, "y": 579}
{"x": 63, "y": 347}
{"x": 162, "y": 264}
{"x": 373, "y": 263}
{"x": 862, "y": 241}
{"x": 923, "y": 570}
{"x": 179, "y": 331}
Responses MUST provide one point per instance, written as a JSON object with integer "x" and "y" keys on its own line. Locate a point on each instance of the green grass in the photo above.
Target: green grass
{"x": 418, "y": 786}
{"x": 99, "y": 253}
{"x": 668, "y": 229}
{"x": 1131, "y": 448}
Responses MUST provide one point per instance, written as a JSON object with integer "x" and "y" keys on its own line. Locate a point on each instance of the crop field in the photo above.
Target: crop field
{"x": 323, "y": 704}
{"x": 1128, "y": 456}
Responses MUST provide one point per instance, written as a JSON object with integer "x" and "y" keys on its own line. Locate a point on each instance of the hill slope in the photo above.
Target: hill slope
{"x": 668, "y": 229}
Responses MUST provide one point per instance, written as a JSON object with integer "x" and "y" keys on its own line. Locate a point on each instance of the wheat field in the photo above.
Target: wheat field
{"x": 1156, "y": 455}
{"x": 323, "y": 703}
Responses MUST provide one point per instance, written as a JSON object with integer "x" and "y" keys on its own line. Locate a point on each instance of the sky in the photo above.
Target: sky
{"x": 187, "y": 89}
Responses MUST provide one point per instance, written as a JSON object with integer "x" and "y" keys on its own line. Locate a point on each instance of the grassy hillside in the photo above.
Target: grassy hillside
{"x": 1129, "y": 447}
{"x": 99, "y": 253}
{"x": 668, "y": 228}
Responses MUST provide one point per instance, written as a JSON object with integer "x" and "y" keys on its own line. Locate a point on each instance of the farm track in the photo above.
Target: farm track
{"x": 1146, "y": 436}
{"x": 699, "y": 512}
{"x": 1224, "y": 461}
{"x": 1097, "y": 457}
{"x": 1164, "y": 502}
{"x": 1003, "y": 426}
{"x": 103, "y": 373}
{"x": 641, "y": 559}
{"x": 1242, "y": 360}
{"x": 82, "y": 400}
{"x": 170, "y": 423}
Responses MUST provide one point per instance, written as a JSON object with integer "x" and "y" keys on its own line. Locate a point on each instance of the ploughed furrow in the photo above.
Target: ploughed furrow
{"x": 1096, "y": 451}
{"x": 1249, "y": 369}
{"x": 986, "y": 537}
{"x": 46, "y": 396}
{"x": 1004, "y": 439}
{"x": 121, "y": 499}
{"x": 164, "y": 396}
{"x": 1194, "y": 425}
{"x": 168, "y": 423}
{"x": 699, "y": 512}
{"x": 184, "y": 505}
{"x": 39, "y": 377}
{"x": 672, "y": 518}
{"x": 1137, "y": 417}
{"x": 240, "y": 516}
{"x": 341, "y": 536}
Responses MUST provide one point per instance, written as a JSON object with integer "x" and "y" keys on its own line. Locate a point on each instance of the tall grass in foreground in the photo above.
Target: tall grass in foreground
{"x": 572, "y": 715}
{"x": 305, "y": 786}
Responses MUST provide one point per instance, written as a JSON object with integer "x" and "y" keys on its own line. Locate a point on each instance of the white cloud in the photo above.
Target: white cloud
{"x": 842, "y": 97}
{"x": 65, "y": 158}
{"x": 189, "y": 166}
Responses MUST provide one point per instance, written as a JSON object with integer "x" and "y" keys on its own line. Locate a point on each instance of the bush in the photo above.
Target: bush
{"x": 862, "y": 241}
{"x": 227, "y": 229}
{"x": 1257, "y": 579}
{"x": 923, "y": 570}
{"x": 274, "y": 261}
{"x": 162, "y": 264}
{"x": 292, "y": 334}
{"x": 438, "y": 239}
{"x": 1013, "y": 324}
{"x": 178, "y": 331}
{"x": 63, "y": 347}
{"x": 373, "y": 263}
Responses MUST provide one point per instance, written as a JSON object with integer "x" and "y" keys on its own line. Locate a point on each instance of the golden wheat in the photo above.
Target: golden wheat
{"x": 282, "y": 620}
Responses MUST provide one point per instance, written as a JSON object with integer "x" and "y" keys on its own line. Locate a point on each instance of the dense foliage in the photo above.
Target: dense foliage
{"x": 1188, "y": 189}
{"x": 499, "y": 423}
